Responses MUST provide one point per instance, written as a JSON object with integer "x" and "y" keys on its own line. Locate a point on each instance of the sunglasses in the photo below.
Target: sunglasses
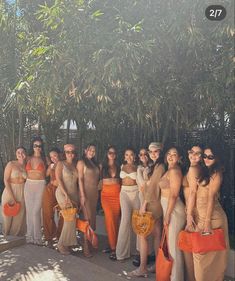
{"x": 69, "y": 152}
{"x": 37, "y": 145}
{"x": 209, "y": 157}
{"x": 196, "y": 153}
{"x": 111, "y": 153}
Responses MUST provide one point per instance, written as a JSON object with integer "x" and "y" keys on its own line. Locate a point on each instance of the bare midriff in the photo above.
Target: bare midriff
{"x": 128, "y": 181}
{"x": 35, "y": 175}
{"x": 110, "y": 181}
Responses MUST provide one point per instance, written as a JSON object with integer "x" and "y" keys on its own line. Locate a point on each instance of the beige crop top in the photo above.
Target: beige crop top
{"x": 132, "y": 175}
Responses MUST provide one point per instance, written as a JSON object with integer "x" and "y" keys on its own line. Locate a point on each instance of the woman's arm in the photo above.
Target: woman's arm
{"x": 80, "y": 168}
{"x": 152, "y": 184}
{"x": 192, "y": 178}
{"x": 59, "y": 178}
{"x": 214, "y": 187}
{"x": 140, "y": 179}
{"x": 175, "y": 178}
{"x": 7, "y": 180}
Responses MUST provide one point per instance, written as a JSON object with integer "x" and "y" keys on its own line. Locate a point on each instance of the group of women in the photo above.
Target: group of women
{"x": 153, "y": 185}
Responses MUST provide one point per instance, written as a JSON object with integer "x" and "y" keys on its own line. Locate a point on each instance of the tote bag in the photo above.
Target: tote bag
{"x": 164, "y": 261}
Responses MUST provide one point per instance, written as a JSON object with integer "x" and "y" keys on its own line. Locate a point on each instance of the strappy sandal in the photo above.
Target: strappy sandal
{"x": 137, "y": 273}
{"x": 113, "y": 256}
{"x": 152, "y": 268}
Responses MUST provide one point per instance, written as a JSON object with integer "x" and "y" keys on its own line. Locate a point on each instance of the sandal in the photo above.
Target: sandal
{"x": 106, "y": 251}
{"x": 136, "y": 273}
{"x": 113, "y": 256}
{"x": 152, "y": 268}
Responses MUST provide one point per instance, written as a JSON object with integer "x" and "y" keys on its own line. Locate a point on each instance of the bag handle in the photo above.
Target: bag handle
{"x": 165, "y": 240}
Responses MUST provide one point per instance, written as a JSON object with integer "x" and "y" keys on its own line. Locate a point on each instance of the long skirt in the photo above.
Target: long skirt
{"x": 177, "y": 222}
{"x": 110, "y": 200}
{"x": 33, "y": 193}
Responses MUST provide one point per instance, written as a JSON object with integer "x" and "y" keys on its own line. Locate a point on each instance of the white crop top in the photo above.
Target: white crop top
{"x": 132, "y": 175}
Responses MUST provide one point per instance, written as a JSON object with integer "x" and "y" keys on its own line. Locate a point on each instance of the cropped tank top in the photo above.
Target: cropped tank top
{"x": 41, "y": 167}
{"x": 132, "y": 175}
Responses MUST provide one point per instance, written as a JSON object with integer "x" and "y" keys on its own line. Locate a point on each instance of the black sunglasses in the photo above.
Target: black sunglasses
{"x": 209, "y": 157}
{"x": 37, "y": 145}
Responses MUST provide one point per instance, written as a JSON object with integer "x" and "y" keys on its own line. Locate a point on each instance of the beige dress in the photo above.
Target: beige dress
{"x": 15, "y": 226}
{"x": 91, "y": 181}
{"x": 70, "y": 178}
{"x": 177, "y": 223}
{"x": 152, "y": 192}
{"x": 188, "y": 257}
{"x": 210, "y": 266}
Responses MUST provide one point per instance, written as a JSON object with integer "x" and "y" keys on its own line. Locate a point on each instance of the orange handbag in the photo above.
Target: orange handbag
{"x": 142, "y": 224}
{"x": 202, "y": 243}
{"x": 11, "y": 210}
{"x": 84, "y": 226}
{"x": 164, "y": 260}
{"x": 184, "y": 241}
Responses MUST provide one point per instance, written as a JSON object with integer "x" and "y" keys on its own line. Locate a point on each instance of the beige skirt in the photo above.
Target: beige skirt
{"x": 177, "y": 222}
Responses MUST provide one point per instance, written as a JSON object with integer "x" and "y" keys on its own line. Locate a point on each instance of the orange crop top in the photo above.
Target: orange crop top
{"x": 41, "y": 167}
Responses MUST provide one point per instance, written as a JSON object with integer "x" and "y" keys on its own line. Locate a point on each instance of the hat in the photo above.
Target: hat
{"x": 69, "y": 146}
{"x": 156, "y": 145}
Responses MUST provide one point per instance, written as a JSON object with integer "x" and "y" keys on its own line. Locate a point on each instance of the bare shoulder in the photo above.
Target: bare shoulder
{"x": 80, "y": 164}
{"x": 194, "y": 171}
{"x": 175, "y": 171}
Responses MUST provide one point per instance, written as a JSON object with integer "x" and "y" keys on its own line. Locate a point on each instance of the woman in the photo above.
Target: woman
{"x": 67, "y": 196}
{"x": 151, "y": 203}
{"x": 190, "y": 181}
{"x": 210, "y": 215}
{"x": 88, "y": 175}
{"x": 51, "y": 231}
{"x": 129, "y": 200}
{"x": 173, "y": 209}
{"x": 33, "y": 191}
{"x": 110, "y": 197}
{"x": 14, "y": 180}
{"x": 142, "y": 172}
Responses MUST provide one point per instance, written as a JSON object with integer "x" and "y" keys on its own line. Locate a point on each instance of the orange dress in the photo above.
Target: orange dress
{"x": 48, "y": 209}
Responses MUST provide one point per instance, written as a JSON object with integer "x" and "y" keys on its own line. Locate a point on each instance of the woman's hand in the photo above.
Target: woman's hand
{"x": 142, "y": 209}
{"x": 189, "y": 224}
{"x": 207, "y": 228}
{"x": 167, "y": 219}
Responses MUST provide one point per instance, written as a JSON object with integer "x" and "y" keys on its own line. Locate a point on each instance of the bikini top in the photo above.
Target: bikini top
{"x": 41, "y": 167}
{"x": 132, "y": 175}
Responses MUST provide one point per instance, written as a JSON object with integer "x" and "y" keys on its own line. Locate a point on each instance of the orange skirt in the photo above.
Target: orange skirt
{"x": 110, "y": 200}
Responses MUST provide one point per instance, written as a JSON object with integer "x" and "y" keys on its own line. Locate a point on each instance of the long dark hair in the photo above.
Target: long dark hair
{"x": 90, "y": 163}
{"x": 152, "y": 164}
{"x": 105, "y": 164}
{"x": 31, "y": 151}
{"x": 217, "y": 167}
{"x": 180, "y": 163}
{"x": 148, "y": 161}
{"x": 131, "y": 149}
{"x": 187, "y": 162}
